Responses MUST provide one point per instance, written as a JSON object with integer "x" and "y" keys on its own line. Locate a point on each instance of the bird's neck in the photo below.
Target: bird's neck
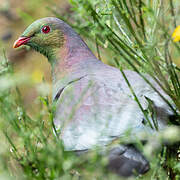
{"x": 70, "y": 61}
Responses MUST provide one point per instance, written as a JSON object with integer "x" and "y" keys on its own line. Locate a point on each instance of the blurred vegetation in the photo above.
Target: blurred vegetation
{"x": 131, "y": 34}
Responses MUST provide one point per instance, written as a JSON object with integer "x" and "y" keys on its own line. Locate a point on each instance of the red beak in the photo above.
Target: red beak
{"x": 21, "y": 41}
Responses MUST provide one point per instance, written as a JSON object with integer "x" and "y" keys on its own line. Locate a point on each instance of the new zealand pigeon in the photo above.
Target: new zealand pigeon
{"x": 94, "y": 103}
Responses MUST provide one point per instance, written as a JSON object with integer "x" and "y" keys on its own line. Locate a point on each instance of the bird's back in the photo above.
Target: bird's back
{"x": 99, "y": 107}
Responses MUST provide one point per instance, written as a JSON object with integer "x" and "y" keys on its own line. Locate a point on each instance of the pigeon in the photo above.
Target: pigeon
{"x": 94, "y": 104}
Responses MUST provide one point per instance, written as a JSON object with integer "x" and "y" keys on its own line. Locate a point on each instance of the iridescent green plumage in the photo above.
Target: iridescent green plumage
{"x": 46, "y": 44}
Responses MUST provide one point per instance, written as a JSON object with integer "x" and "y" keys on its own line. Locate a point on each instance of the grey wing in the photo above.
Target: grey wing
{"x": 144, "y": 92}
{"x": 91, "y": 112}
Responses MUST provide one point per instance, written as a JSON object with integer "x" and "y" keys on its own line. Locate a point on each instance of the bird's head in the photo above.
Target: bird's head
{"x": 44, "y": 35}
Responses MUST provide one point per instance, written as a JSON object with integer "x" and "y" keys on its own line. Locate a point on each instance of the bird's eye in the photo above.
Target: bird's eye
{"x": 45, "y": 29}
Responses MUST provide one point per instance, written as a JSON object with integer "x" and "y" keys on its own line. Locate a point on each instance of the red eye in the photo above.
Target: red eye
{"x": 46, "y": 29}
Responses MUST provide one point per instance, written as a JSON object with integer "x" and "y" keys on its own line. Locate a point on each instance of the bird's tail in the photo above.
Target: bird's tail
{"x": 126, "y": 160}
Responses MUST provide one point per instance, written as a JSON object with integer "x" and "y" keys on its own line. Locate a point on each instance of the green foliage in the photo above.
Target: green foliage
{"x": 132, "y": 34}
